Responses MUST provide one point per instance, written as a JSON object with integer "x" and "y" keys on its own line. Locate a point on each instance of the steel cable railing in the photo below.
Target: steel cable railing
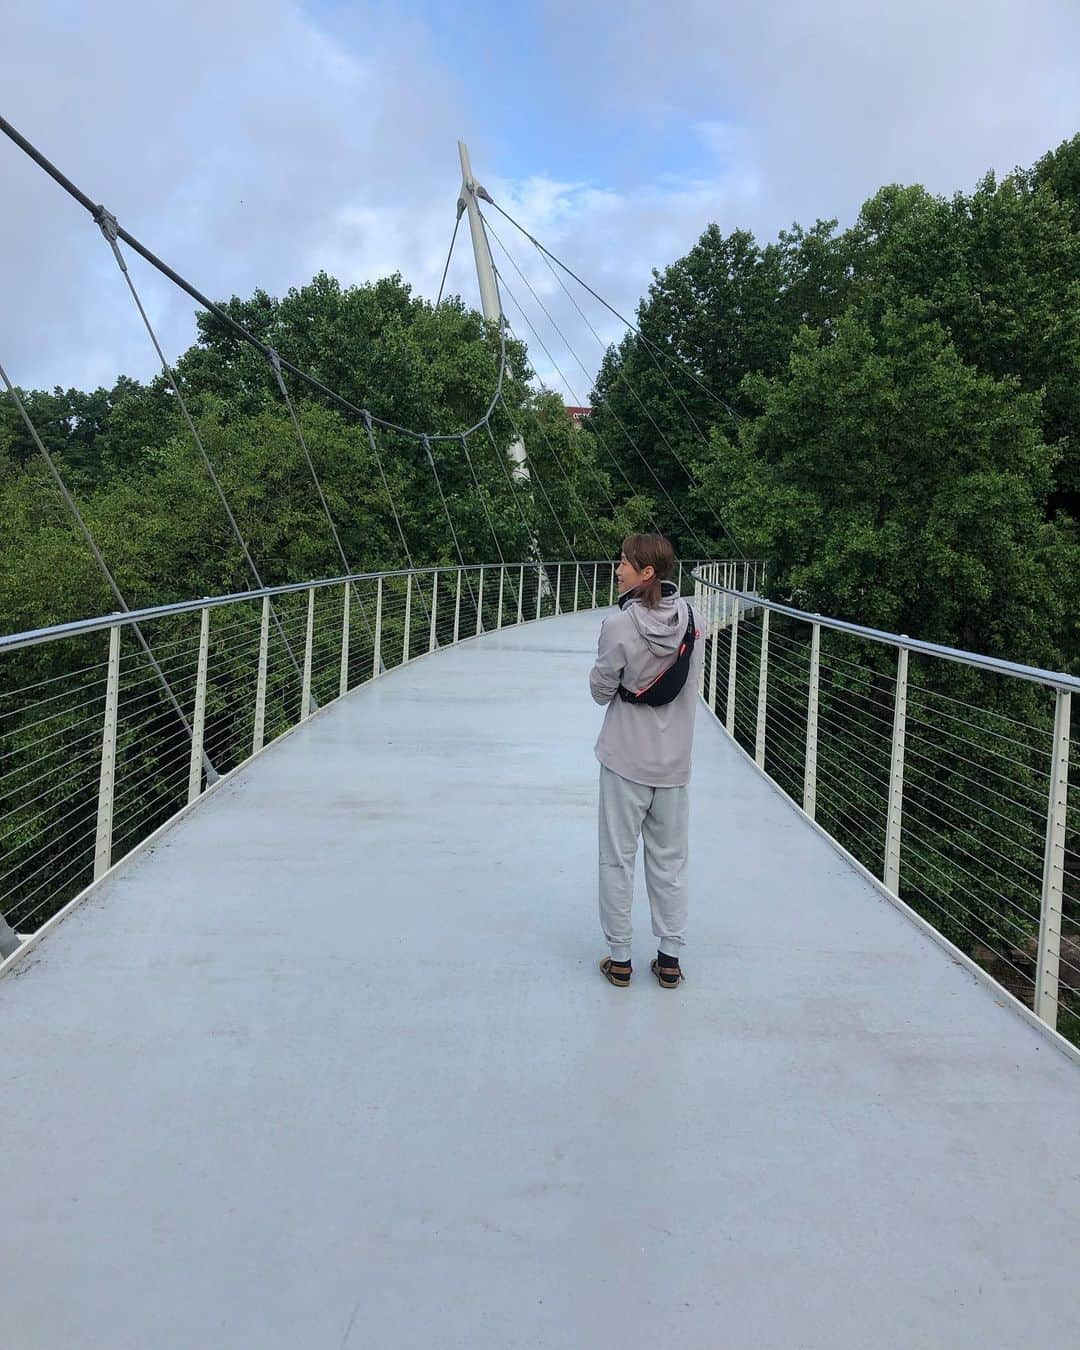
{"x": 946, "y": 774}
{"x": 94, "y": 756}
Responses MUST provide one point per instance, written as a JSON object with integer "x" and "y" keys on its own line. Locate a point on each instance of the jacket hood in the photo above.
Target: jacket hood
{"x": 661, "y": 628}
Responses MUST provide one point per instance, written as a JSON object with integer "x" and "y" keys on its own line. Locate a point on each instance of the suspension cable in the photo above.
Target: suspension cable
{"x": 540, "y": 484}
{"x": 603, "y": 345}
{"x": 449, "y": 518}
{"x": 99, "y": 214}
{"x": 637, "y": 450}
{"x": 690, "y": 529}
{"x": 515, "y": 497}
{"x": 211, "y": 773}
{"x": 368, "y": 419}
{"x": 483, "y": 502}
{"x": 622, "y": 376}
{"x": 442, "y": 498}
{"x": 487, "y": 513}
{"x": 607, "y": 449}
{"x": 114, "y": 232}
{"x": 109, "y": 230}
{"x": 450, "y": 253}
{"x": 709, "y": 393}
{"x": 275, "y": 366}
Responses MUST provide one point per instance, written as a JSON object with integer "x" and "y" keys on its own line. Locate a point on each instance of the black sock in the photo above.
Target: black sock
{"x": 667, "y": 962}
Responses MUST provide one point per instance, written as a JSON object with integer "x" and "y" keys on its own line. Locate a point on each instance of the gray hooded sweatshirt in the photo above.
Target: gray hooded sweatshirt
{"x": 645, "y": 744}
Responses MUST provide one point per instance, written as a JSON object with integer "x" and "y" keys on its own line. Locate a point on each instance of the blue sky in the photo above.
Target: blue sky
{"x": 536, "y": 95}
{"x": 252, "y": 143}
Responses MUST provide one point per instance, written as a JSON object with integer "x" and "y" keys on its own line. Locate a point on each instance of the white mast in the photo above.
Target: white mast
{"x": 471, "y": 195}
{"x": 485, "y": 268}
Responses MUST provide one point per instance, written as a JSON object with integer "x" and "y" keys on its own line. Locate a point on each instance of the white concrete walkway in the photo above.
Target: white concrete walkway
{"x": 333, "y": 1067}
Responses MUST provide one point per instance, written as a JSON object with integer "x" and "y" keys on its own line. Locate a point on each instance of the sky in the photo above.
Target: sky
{"x": 252, "y": 143}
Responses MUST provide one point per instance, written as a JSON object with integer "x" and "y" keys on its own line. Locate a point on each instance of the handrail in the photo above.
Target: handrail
{"x": 34, "y": 636}
{"x": 100, "y": 748}
{"x": 1054, "y": 679}
{"x": 959, "y": 810}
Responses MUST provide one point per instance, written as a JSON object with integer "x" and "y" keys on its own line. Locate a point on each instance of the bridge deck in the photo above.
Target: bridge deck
{"x": 332, "y": 1065}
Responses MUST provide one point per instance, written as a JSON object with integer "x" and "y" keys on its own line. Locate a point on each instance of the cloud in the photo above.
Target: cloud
{"x": 835, "y": 98}
{"x": 253, "y": 143}
{"x": 240, "y": 143}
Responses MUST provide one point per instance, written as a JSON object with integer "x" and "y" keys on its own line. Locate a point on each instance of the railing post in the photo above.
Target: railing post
{"x": 558, "y": 588}
{"x": 260, "y": 679}
{"x": 713, "y": 666}
{"x": 679, "y": 583}
{"x": 896, "y": 777}
{"x": 343, "y": 682}
{"x": 595, "y": 566}
{"x": 733, "y": 662}
{"x": 810, "y": 773}
{"x": 408, "y": 619}
{"x": 376, "y": 660}
{"x": 541, "y": 578}
{"x": 521, "y": 591}
{"x": 577, "y": 578}
{"x": 305, "y": 693}
{"x": 432, "y": 641}
{"x": 700, "y": 611}
{"x": 457, "y": 607}
{"x": 712, "y": 598}
{"x": 762, "y": 693}
{"x": 611, "y": 585}
{"x": 107, "y": 781}
{"x": 198, "y": 724}
{"x": 480, "y": 605}
{"x": 1049, "y": 957}
{"x": 498, "y": 621}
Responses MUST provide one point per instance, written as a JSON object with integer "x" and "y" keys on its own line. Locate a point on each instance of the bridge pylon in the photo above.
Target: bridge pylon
{"x": 472, "y": 193}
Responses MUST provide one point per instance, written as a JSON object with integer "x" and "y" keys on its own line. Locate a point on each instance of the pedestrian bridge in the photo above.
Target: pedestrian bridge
{"x": 328, "y": 1062}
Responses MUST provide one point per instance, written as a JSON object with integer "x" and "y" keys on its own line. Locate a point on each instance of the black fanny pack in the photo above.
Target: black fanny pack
{"x": 669, "y": 683}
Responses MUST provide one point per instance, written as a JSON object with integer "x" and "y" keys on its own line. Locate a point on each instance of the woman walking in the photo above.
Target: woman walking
{"x": 646, "y": 674}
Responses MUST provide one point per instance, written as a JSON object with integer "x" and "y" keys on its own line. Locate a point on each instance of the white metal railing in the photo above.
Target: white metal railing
{"x": 945, "y": 773}
{"x": 111, "y": 726}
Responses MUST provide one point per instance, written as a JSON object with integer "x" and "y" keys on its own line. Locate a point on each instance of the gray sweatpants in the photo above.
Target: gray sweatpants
{"x": 660, "y": 815}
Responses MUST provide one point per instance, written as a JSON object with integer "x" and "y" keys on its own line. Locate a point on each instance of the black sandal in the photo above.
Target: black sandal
{"x": 670, "y": 977}
{"x": 616, "y": 972}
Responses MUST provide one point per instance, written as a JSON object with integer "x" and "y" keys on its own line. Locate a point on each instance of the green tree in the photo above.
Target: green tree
{"x": 891, "y": 484}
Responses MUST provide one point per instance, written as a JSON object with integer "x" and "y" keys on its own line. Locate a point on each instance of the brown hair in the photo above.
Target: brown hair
{"x": 649, "y": 550}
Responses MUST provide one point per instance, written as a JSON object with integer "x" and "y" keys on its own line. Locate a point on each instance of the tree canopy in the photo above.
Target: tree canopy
{"x": 890, "y": 413}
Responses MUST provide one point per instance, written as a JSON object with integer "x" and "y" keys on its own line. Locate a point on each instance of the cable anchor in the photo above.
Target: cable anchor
{"x": 110, "y": 228}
